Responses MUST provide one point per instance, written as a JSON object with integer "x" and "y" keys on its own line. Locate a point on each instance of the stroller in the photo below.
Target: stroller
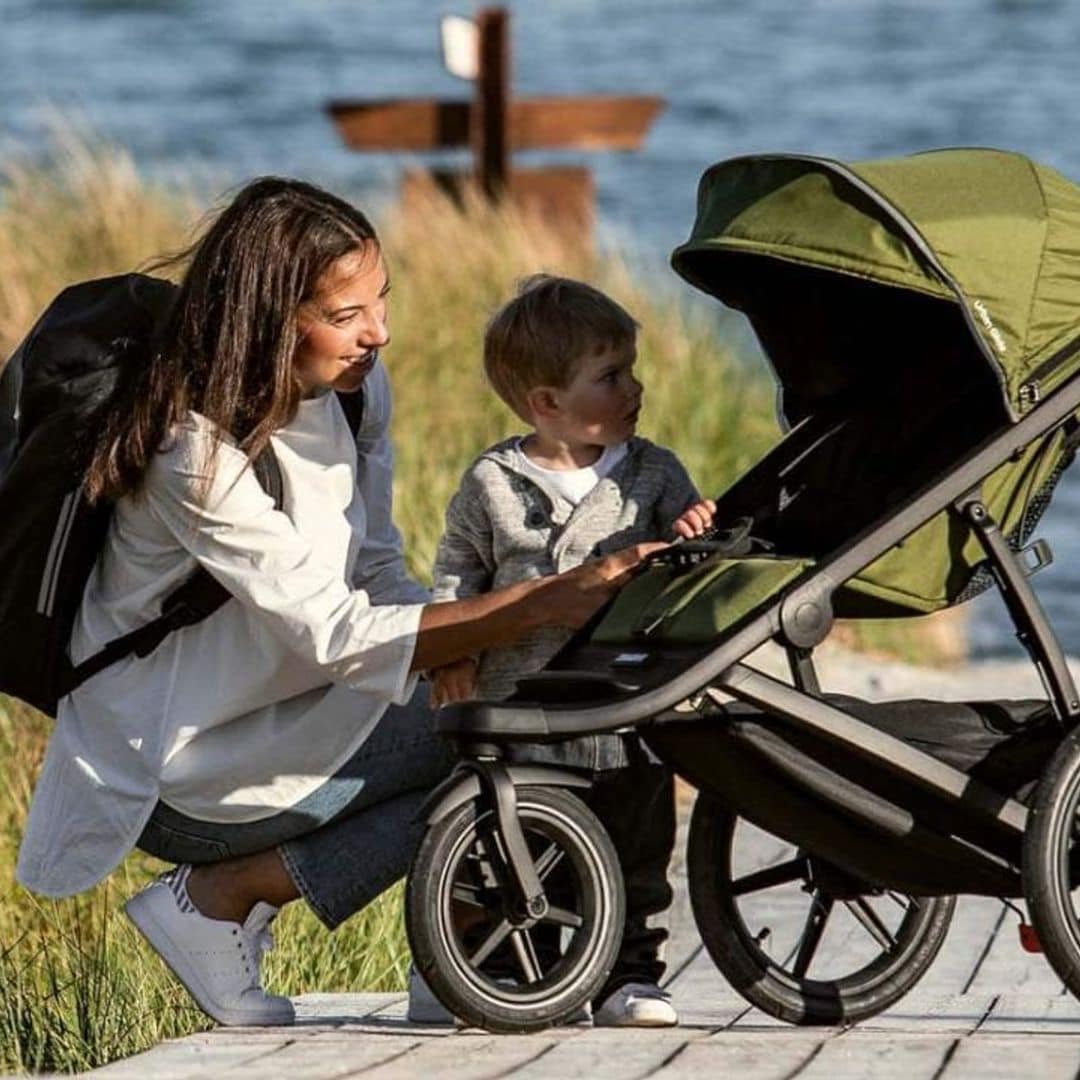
{"x": 921, "y": 319}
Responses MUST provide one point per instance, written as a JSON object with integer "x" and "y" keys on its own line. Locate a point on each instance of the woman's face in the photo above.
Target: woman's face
{"x": 342, "y": 327}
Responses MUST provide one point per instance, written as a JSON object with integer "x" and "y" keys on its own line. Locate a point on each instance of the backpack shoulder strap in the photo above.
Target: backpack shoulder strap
{"x": 196, "y": 599}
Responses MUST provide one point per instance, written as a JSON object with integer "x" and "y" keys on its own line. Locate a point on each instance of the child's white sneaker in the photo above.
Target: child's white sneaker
{"x": 216, "y": 960}
{"x": 636, "y": 1004}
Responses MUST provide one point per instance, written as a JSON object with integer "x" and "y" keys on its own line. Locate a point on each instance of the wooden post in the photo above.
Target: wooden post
{"x": 488, "y": 120}
{"x": 494, "y": 126}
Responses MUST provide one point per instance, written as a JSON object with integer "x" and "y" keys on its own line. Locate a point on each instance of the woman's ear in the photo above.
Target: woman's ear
{"x": 543, "y": 401}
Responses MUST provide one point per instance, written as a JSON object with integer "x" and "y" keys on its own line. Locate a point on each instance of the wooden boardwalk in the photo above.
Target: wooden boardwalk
{"x": 986, "y": 1009}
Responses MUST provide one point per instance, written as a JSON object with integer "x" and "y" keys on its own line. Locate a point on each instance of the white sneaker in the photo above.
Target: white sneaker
{"x": 216, "y": 960}
{"x": 636, "y": 1004}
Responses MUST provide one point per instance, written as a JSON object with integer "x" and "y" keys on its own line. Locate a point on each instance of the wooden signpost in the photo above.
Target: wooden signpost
{"x": 494, "y": 125}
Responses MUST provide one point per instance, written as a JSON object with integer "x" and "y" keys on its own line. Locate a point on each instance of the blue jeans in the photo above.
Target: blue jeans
{"x": 349, "y": 839}
{"x": 354, "y": 836}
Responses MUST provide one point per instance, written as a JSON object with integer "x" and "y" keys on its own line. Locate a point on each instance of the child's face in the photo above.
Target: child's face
{"x": 342, "y": 328}
{"x": 600, "y": 405}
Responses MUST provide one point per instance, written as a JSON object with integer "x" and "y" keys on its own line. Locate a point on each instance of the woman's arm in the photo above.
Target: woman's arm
{"x": 233, "y": 530}
{"x": 466, "y": 627}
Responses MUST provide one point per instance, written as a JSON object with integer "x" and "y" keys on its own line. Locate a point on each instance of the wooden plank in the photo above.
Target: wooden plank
{"x": 559, "y": 195}
{"x": 990, "y": 1058}
{"x": 583, "y": 123}
{"x": 704, "y": 998}
{"x": 597, "y": 122}
{"x": 772, "y": 1057}
{"x": 335, "y": 1009}
{"x": 975, "y": 922}
{"x": 465, "y": 1057}
{"x": 1034, "y": 1014}
{"x": 622, "y": 1052}
{"x": 857, "y": 1056}
{"x": 198, "y": 1055}
{"x": 323, "y": 1057}
{"x": 1007, "y": 968}
{"x": 959, "y": 1014}
{"x": 401, "y": 124}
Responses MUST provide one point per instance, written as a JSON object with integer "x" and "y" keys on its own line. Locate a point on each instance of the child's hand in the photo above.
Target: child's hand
{"x": 453, "y": 682}
{"x": 694, "y": 520}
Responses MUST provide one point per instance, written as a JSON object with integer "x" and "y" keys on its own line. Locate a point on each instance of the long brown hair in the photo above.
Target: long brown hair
{"x": 225, "y": 349}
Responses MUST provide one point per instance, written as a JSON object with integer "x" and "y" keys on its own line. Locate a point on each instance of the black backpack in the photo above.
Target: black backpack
{"x": 51, "y": 392}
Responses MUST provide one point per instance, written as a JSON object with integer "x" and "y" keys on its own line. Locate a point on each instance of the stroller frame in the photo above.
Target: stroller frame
{"x": 992, "y": 832}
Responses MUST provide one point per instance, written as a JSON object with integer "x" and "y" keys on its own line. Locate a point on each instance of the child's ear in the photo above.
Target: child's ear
{"x": 543, "y": 401}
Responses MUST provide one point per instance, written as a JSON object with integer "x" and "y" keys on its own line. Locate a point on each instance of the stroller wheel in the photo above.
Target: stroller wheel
{"x": 798, "y": 937}
{"x": 487, "y": 963}
{"x": 1052, "y": 863}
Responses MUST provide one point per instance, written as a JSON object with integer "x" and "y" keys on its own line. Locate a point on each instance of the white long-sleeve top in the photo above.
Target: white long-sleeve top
{"x": 243, "y": 714}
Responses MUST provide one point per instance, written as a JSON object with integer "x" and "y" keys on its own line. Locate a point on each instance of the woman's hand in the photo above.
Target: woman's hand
{"x": 574, "y": 596}
{"x": 694, "y": 520}
{"x": 459, "y": 628}
{"x": 453, "y": 682}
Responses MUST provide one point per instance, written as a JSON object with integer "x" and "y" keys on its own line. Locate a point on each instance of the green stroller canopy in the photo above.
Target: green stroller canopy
{"x": 987, "y": 229}
{"x": 910, "y": 308}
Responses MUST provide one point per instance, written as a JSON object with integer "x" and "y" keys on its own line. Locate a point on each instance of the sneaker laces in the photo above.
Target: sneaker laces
{"x": 263, "y": 942}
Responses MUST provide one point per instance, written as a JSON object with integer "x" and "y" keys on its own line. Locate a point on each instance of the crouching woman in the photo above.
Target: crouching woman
{"x": 280, "y": 748}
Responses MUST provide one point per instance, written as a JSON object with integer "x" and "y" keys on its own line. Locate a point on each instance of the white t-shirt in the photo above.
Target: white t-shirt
{"x": 572, "y": 484}
{"x": 247, "y": 712}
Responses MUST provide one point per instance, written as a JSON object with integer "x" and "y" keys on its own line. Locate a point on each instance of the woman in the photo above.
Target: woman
{"x": 279, "y": 749}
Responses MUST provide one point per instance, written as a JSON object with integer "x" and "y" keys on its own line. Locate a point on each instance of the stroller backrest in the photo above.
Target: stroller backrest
{"x": 884, "y": 388}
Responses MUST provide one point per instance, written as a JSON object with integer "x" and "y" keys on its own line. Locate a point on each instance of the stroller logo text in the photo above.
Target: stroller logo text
{"x": 996, "y": 336}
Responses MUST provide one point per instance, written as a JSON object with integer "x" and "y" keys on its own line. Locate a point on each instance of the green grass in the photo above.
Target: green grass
{"x": 79, "y": 986}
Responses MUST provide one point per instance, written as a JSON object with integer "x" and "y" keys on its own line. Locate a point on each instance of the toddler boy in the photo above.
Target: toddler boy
{"x": 579, "y": 484}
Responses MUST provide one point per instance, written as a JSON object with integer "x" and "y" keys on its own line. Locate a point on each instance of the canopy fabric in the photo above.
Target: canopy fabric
{"x": 989, "y": 229}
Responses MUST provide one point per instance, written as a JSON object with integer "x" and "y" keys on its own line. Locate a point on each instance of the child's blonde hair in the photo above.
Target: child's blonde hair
{"x": 539, "y": 337}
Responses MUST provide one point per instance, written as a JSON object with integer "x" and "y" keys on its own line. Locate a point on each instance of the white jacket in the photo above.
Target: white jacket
{"x": 242, "y": 715}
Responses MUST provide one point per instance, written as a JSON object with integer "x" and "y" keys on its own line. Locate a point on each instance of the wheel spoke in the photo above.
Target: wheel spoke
{"x": 871, "y": 922}
{"x": 820, "y": 909}
{"x": 781, "y": 874}
{"x": 466, "y": 894}
{"x": 562, "y": 917}
{"x": 483, "y": 864}
{"x": 548, "y": 861}
{"x": 491, "y": 943}
{"x": 908, "y": 903}
{"x": 526, "y": 955}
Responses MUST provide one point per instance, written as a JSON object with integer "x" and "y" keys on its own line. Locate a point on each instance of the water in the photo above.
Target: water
{"x": 223, "y": 91}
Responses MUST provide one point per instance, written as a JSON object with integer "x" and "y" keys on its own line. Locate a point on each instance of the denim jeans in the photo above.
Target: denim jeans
{"x": 356, "y": 835}
{"x": 349, "y": 839}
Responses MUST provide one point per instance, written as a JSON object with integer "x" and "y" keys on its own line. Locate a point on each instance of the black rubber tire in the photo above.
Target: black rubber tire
{"x": 769, "y": 984}
{"x": 461, "y": 852}
{"x": 1050, "y": 862}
